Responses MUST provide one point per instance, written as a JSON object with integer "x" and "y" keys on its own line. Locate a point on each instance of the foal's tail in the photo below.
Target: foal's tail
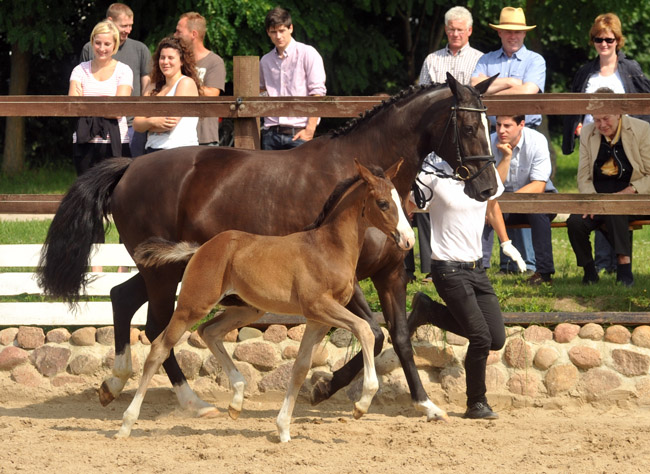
{"x": 77, "y": 224}
{"x": 156, "y": 251}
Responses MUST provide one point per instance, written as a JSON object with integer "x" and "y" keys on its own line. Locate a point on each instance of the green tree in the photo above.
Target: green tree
{"x": 33, "y": 28}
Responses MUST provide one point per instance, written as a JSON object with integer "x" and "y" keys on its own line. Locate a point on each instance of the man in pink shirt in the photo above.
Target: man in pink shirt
{"x": 290, "y": 69}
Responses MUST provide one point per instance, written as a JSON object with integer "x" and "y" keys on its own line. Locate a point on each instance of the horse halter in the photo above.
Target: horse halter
{"x": 462, "y": 172}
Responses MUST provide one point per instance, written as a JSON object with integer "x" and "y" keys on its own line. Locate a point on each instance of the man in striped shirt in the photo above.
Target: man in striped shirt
{"x": 458, "y": 58}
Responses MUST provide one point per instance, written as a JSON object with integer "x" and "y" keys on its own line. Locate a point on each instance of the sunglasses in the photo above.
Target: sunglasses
{"x": 606, "y": 40}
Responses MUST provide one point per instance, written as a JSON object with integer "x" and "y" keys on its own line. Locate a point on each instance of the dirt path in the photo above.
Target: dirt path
{"x": 67, "y": 431}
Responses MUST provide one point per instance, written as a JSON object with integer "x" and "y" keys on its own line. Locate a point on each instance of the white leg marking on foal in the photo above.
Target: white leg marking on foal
{"x": 191, "y": 402}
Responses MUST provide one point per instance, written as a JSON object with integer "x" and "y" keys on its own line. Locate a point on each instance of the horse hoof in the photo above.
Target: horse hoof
{"x": 320, "y": 391}
{"x": 439, "y": 417}
{"x": 105, "y": 395}
{"x": 234, "y": 413}
{"x": 358, "y": 413}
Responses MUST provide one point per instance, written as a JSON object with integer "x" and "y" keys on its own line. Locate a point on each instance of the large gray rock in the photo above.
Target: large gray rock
{"x": 560, "y": 379}
{"x": 275, "y": 333}
{"x": 536, "y": 333}
{"x": 249, "y": 333}
{"x": 630, "y": 363}
{"x": 518, "y": 353}
{"x": 592, "y": 331}
{"x": 565, "y": 332}
{"x": 29, "y": 337}
{"x": 12, "y": 356}
{"x": 278, "y": 380}
{"x": 585, "y": 358}
{"x": 545, "y": 357}
{"x": 8, "y": 336}
{"x": 261, "y": 355}
{"x": 84, "y": 336}
{"x": 105, "y": 336}
{"x": 641, "y": 336}
{"x": 617, "y": 334}
{"x": 84, "y": 364}
{"x": 597, "y": 382}
{"x": 524, "y": 383}
{"x": 190, "y": 363}
{"x": 58, "y": 336}
{"x": 50, "y": 360}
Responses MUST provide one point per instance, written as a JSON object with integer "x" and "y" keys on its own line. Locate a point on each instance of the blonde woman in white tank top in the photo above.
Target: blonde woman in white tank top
{"x": 173, "y": 74}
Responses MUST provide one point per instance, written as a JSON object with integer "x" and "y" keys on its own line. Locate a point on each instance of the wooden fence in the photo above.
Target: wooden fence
{"x": 245, "y": 107}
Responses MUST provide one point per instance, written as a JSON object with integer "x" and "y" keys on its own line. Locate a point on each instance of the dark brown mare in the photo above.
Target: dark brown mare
{"x": 194, "y": 193}
{"x": 310, "y": 273}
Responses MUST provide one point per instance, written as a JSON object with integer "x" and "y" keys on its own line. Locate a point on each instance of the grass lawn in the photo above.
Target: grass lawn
{"x": 566, "y": 294}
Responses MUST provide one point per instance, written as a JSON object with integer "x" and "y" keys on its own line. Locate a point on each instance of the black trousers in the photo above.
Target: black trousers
{"x": 472, "y": 311}
{"x": 615, "y": 229}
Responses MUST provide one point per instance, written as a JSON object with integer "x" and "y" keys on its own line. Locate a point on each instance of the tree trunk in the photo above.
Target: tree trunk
{"x": 14, "y": 150}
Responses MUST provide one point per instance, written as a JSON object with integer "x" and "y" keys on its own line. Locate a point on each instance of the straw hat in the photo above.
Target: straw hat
{"x": 512, "y": 19}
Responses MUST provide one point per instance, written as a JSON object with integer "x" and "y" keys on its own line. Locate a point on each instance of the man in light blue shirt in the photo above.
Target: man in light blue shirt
{"x": 520, "y": 70}
{"x": 524, "y": 166}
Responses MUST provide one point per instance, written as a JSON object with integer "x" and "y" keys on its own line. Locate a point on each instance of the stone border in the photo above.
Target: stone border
{"x": 537, "y": 367}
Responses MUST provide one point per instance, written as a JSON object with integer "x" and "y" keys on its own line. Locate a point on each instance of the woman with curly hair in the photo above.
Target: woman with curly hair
{"x": 173, "y": 74}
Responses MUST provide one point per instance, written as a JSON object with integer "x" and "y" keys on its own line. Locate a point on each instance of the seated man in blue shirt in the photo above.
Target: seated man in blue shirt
{"x": 524, "y": 166}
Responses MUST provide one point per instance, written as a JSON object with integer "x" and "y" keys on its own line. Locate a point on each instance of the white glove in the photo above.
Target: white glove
{"x": 514, "y": 254}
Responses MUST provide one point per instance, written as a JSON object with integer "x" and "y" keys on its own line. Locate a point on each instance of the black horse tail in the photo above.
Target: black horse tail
{"x": 77, "y": 224}
{"x": 157, "y": 251}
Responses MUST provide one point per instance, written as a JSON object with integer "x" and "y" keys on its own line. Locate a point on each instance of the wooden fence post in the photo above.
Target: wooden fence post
{"x": 246, "y": 83}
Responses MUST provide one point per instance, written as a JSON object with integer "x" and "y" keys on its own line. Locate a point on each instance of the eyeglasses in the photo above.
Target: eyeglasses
{"x": 606, "y": 40}
{"x": 456, "y": 31}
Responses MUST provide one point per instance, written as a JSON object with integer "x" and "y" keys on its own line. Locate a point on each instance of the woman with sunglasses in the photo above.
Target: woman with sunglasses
{"x": 610, "y": 69}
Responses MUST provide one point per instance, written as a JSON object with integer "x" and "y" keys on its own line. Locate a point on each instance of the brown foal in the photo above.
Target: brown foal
{"x": 310, "y": 273}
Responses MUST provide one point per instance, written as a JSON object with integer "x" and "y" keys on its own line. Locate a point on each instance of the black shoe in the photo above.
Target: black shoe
{"x": 480, "y": 411}
{"x": 539, "y": 278}
{"x": 590, "y": 278}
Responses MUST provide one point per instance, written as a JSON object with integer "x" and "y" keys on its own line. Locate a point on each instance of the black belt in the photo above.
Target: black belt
{"x": 462, "y": 265}
{"x": 282, "y": 130}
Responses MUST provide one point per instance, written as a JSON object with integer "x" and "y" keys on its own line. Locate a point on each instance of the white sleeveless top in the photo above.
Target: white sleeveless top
{"x": 183, "y": 134}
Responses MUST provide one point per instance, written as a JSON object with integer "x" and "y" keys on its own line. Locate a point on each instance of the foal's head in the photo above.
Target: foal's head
{"x": 383, "y": 208}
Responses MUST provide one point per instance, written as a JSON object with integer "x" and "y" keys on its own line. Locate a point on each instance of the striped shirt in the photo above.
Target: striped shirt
{"x": 91, "y": 87}
{"x": 439, "y": 63}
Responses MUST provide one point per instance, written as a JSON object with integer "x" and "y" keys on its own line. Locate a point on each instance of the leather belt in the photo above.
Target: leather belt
{"x": 462, "y": 265}
{"x": 283, "y": 130}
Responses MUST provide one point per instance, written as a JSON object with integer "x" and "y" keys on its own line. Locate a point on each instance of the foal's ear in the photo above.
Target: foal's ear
{"x": 393, "y": 170}
{"x": 364, "y": 172}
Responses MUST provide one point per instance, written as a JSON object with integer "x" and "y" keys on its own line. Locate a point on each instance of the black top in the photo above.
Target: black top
{"x": 634, "y": 81}
{"x": 612, "y": 169}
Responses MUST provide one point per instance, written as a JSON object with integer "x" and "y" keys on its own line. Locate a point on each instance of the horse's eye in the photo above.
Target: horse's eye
{"x": 383, "y": 204}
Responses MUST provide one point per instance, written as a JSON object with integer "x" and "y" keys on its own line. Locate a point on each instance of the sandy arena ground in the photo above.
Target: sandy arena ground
{"x": 67, "y": 431}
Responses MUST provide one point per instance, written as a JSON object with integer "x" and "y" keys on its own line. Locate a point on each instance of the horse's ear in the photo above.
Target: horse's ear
{"x": 482, "y": 86}
{"x": 452, "y": 83}
{"x": 393, "y": 170}
{"x": 364, "y": 172}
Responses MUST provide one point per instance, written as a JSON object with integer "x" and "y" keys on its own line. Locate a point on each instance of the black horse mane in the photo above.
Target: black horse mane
{"x": 403, "y": 94}
{"x": 339, "y": 190}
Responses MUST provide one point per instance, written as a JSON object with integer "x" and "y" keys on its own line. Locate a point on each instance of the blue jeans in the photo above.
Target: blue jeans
{"x": 137, "y": 142}
{"x": 521, "y": 239}
{"x": 272, "y": 140}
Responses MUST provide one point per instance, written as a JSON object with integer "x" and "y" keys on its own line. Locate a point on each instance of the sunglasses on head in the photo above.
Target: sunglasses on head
{"x": 606, "y": 40}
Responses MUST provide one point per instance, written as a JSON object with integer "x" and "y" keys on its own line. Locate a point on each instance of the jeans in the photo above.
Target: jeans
{"x": 272, "y": 140}
{"x": 137, "y": 141}
{"x": 472, "y": 311}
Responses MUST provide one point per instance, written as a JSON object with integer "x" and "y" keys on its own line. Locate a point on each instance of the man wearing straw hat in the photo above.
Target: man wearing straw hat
{"x": 520, "y": 70}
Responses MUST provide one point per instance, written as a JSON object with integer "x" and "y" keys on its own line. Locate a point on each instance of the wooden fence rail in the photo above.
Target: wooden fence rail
{"x": 245, "y": 107}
